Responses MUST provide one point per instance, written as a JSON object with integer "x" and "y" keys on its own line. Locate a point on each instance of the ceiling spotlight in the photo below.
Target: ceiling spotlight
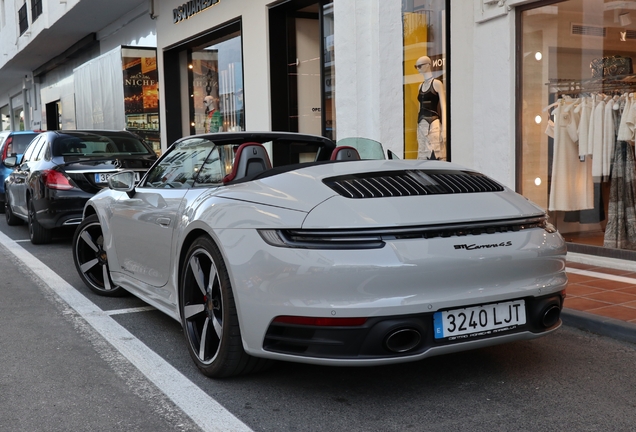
{"x": 624, "y": 19}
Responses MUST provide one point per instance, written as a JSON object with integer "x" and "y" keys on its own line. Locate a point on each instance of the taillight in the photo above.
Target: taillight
{"x": 6, "y": 152}
{"x": 56, "y": 180}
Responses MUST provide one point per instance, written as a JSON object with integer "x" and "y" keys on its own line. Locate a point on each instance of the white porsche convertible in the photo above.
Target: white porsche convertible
{"x": 285, "y": 246}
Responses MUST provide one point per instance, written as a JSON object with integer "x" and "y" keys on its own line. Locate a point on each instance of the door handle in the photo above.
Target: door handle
{"x": 163, "y": 221}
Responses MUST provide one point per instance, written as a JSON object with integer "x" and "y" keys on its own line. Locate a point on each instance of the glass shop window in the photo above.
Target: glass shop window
{"x": 576, "y": 111}
{"x": 425, "y": 101}
{"x": 216, "y": 86}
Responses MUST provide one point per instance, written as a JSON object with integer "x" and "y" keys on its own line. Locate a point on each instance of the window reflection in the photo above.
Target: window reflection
{"x": 217, "y": 86}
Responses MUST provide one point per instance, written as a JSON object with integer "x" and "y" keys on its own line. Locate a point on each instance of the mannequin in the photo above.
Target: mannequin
{"x": 431, "y": 119}
{"x": 213, "y": 120}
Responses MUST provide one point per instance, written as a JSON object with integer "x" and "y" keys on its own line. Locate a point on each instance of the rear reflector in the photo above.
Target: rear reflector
{"x": 323, "y": 322}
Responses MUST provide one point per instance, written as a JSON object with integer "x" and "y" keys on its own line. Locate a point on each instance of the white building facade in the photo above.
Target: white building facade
{"x": 366, "y": 68}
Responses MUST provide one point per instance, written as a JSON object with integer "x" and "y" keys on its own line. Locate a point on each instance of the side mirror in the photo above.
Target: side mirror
{"x": 11, "y": 162}
{"x": 123, "y": 182}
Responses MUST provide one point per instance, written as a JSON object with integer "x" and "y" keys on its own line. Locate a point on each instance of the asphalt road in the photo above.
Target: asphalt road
{"x": 58, "y": 372}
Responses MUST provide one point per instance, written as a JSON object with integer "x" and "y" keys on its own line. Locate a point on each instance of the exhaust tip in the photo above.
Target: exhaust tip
{"x": 402, "y": 340}
{"x": 550, "y": 316}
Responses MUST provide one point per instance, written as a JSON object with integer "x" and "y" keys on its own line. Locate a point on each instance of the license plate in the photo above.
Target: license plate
{"x": 103, "y": 177}
{"x": 486, "y": 320}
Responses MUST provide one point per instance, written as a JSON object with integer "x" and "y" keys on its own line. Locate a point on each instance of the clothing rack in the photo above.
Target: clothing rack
{"x": 613, "y": 84}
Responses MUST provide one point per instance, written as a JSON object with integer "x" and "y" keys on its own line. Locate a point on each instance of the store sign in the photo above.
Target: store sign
{"x": 191, "y": 8}
{"x": 140, "y": 80}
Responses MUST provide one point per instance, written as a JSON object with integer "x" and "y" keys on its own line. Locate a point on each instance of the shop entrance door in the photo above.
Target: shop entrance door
{"x": 301, "y": 50}
{"x": 54, "y": 115}
{"x": 307, "y": 70}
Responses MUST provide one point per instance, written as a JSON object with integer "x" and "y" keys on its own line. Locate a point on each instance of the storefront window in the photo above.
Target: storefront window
{"x": 216, "y": 86}
{"x": 425, "y": 105}
{"x": 5, "y": 119}
{"x": 576, "y": 111}
{"x": 141, "y": 94}
{"x": 329, "y": 74}
{"x": 18, "y": 119}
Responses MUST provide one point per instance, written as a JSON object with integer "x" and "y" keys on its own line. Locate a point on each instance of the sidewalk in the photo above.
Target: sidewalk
{"x": 56, "y": 374}
{"x": 601, "y": 300}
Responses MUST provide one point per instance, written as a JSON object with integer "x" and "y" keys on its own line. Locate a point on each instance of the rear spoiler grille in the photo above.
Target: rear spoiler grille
{"x": 410, "y": 183}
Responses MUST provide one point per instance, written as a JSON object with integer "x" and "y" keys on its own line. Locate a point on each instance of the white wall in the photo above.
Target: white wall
{"x": 483, "y": 90}
{"x": 462, "y": 70}
{"x": 134, "y": 29}
{"x": 10, "y": 40}
{"x": 369, "y": 78}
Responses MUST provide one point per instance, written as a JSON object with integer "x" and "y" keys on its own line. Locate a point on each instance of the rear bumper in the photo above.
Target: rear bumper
{"x": 401, "y": 284}
{"x": 394, "y": 337}
{"x": 60, "y": 211}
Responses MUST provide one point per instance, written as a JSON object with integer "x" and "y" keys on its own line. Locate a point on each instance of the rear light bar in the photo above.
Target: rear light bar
{"x": 56, "y": 180}
{"x": 321, "y": 322}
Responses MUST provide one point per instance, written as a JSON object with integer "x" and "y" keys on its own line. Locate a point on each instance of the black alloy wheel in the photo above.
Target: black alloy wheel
{"x": 37, "y": 233}
{"x": 12, "y": 219}
{"x": 91, "y": 260}
{"x": 208, "y": 314}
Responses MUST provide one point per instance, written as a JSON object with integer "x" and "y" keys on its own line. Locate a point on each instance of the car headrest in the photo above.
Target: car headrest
{"x": 342, "y": 153}
{"x": 251, "y": 158}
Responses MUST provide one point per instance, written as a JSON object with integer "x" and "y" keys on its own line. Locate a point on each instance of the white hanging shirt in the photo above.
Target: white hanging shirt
{"x": 571, "y": 187}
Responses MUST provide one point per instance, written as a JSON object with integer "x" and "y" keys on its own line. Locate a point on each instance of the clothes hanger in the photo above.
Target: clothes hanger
{"x": 551, "y": 105}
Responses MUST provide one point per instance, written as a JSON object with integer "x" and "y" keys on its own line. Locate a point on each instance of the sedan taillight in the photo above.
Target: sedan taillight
{"x": 56, "y": 180}
{"x": 7, "y": 148}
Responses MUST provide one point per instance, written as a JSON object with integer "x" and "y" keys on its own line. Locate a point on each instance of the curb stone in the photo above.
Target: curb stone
{"x": 600, "y": 325}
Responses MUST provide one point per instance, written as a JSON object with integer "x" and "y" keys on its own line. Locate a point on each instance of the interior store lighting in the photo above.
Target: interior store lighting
{"x": 537, "y": 181}
{"x": 538, "y": 55}
{"x": 538, "y": 119}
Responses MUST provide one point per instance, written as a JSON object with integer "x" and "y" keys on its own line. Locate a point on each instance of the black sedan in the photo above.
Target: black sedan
{"x": 61, "y": 170}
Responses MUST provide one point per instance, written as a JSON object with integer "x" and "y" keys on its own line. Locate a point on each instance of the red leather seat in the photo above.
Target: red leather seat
{"x": 251, "y": 158}
{"x": 342, "y": 153}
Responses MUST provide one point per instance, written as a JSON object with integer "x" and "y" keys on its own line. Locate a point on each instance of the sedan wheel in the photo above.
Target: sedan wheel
{"x": 37, "y": 233}
{"x": 91, "y": 260}
{"x": 208, "y": 314}
{"x": 8, "y": 214}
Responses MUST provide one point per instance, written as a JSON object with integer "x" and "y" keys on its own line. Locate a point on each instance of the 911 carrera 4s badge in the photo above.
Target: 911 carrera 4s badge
{"x": 483, "y": 246}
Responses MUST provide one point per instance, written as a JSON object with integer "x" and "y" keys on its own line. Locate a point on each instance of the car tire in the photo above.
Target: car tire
{"x": 12, "y": 219}
{"x": 209, "y": 316}
{"x": 91, "y": 260}
{"x": 37, "y": 233}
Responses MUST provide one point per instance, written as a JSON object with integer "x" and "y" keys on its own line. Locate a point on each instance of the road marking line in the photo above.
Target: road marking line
{"x": 129, "y": 310}
{"x": 599, "y": 275}
{"x": 206, "y": 412}
{"x": 22, "y": 241}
